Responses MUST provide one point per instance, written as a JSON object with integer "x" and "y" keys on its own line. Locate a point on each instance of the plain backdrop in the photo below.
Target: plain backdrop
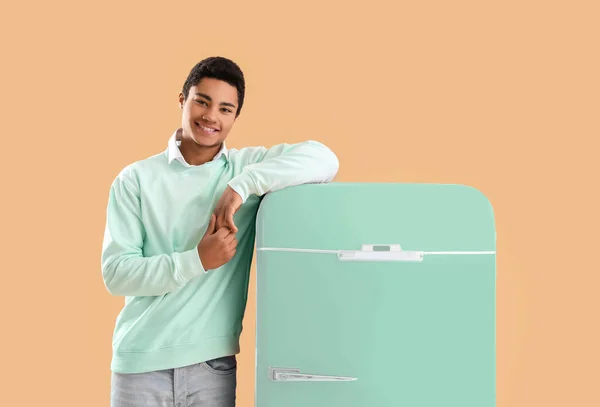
{"x": 502, "y": 96}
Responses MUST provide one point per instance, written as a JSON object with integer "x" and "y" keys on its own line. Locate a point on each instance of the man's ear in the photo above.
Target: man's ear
{"x": 181, "y": 100}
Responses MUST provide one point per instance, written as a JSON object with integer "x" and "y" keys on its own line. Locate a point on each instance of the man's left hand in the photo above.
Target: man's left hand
{"x": 228, "y": 205}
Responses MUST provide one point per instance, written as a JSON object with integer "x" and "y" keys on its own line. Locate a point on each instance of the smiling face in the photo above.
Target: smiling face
{"x": 209, "y": 112}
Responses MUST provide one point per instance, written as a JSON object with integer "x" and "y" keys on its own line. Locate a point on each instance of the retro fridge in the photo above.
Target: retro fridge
{"x": 375, "y": 295}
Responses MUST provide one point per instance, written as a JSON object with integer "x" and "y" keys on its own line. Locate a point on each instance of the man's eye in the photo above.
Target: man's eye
{"x": 201, "y": 101}
{"x": 226, "y": 110}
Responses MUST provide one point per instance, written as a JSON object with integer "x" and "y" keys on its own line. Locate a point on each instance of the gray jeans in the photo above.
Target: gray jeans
{"x": 207, "y": 384}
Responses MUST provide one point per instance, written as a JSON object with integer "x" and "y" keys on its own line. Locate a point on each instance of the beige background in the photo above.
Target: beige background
{"x": 502, "y": 96}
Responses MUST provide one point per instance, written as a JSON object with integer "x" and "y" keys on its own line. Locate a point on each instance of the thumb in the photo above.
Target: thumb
{"x": 211, "y": 225}
{"x": 231, "y": 223}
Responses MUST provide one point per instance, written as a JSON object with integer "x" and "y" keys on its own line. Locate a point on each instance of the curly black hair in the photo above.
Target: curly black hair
{"x": 219, "y": 68}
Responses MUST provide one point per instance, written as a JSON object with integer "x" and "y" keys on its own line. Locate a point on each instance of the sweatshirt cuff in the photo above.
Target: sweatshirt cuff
{"x": 188, "y": 265}
{"x": 244, "y": 185}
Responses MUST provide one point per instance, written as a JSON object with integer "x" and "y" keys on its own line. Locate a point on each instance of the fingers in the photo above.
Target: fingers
{"x": 230, "y": 238}
{"x": 232, "y": 249}
{"x": 221, "y": 220}
{"x": 225, "y": 220}
{"x": 224, "y": 232}
{"x": 229, "y": 242}
{"x": 211, "y": 225}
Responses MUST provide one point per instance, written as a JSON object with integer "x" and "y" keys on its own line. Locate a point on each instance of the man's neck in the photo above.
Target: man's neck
{"x": 197, "y": 155}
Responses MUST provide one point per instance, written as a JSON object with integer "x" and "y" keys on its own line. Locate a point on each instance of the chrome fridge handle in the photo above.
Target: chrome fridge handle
{"x": 294, "y": 375}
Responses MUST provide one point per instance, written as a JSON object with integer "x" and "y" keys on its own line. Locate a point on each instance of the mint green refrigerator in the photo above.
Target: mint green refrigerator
{"x": 375, "y": 294}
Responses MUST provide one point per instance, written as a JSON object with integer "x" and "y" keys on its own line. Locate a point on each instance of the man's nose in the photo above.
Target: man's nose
{"x": 210, "y": 115}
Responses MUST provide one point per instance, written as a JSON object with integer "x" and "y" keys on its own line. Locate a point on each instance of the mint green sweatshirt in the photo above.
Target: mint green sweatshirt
{"x": 177, "y": 313}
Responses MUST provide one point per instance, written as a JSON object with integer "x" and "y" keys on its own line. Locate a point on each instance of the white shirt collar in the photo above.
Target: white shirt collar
{"x": 174, "y": 153}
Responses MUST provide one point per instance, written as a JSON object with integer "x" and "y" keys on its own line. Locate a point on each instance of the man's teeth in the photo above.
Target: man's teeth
{"x": 208, "y": 129}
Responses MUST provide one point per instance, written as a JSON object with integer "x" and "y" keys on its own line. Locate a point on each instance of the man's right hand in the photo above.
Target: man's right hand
{"x": 217, "y": 247}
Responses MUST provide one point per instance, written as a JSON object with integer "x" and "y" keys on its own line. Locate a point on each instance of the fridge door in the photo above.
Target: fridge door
{"x": 375, "y": 295}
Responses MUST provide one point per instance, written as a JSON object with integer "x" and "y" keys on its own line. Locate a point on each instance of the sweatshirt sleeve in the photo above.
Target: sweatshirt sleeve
{"x": 125, "y": 269}
{"x": 284, "y": 165}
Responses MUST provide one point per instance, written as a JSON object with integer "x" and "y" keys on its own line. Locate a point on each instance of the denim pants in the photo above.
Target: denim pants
{"x": 206, "y": 384}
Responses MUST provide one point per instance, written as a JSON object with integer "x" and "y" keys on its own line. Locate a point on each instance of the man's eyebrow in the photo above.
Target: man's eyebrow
{"x": 210, "y": 99}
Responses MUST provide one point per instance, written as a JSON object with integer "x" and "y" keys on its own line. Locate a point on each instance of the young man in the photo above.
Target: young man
{"x": 179, "y": 242}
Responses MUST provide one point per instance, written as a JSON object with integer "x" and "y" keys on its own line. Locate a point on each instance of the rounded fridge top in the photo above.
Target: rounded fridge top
{"x": 347, "y": 216}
